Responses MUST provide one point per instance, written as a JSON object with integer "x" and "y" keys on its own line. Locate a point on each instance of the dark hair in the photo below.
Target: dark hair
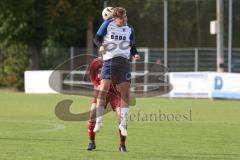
{"x": 119, "y": 12}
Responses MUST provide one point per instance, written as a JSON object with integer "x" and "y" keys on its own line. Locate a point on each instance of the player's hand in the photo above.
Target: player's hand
{"x": 101, "y": 50}
{"x": 137, "y": 57}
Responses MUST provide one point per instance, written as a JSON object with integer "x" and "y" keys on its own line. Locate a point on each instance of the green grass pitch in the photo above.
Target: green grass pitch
{"x": 29, "y": 130}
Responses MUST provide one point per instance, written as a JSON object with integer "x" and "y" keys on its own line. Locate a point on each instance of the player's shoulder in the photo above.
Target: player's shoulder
{"x": 105, "y": 24}
{"x": 130, "y": 26}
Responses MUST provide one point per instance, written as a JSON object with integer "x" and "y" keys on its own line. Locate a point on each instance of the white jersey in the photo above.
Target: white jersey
{"x": 116, "y": 40}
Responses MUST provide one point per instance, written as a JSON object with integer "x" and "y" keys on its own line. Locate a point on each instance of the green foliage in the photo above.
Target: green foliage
{"x": 14, "y": 65}
{"x": 47, "y": 23}
{"x": 37, "y": 24}
{"x": 64, "y": 22}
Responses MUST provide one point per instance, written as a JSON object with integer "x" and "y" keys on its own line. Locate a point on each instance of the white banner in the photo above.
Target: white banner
{"x": 38, "y": 82}
{"x": 225, "y": 85}
{"x": 205, "y": 85}
{"x": 190, "y": 84}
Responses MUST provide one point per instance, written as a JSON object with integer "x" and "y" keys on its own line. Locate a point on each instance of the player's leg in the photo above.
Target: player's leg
{"x": 122, "y": 146}
{"x": 101, "y": 102}
{"x": 91, "y": 125}
{"x": 121, "y": 72}
{"x": 114, "y": 99}
{"x": 124, "y": 88}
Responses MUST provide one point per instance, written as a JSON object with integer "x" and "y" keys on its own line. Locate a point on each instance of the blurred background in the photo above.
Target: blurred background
{"x": 41, "y": 34}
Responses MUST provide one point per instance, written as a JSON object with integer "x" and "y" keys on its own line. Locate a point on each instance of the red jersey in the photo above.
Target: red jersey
{"x": 94, "y": 72}
{"x": 113, "y": 96}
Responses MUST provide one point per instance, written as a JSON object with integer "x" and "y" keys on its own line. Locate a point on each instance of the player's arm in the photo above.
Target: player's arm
{"x": 98, "y": 39}
{"x": 133, "y": 50}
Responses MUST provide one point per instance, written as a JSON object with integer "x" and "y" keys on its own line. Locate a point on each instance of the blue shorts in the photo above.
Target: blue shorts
{"x": 117, "y": 69}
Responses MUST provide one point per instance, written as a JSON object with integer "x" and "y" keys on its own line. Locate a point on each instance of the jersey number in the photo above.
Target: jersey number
{"x": 116, "y": 37}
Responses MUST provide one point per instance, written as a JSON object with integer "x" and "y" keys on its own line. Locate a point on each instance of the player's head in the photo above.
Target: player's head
{"x": 95, "y": 70}
{"x": 107, "y": 13}
{"x": 120, "y": 16}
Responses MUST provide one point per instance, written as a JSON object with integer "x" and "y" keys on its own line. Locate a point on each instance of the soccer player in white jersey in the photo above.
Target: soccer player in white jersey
{"x": 116, "y": 42}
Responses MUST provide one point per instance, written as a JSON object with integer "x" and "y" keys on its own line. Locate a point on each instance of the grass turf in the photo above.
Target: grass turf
{"x": 201, "y": 129}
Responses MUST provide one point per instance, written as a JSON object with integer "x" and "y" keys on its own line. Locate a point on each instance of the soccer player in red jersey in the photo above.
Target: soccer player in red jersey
{"x": 113, "y": 97}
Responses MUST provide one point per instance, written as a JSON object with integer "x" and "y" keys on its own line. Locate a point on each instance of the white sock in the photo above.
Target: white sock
{"x": 99, "y": 113}
{"x": 124, "y": 116}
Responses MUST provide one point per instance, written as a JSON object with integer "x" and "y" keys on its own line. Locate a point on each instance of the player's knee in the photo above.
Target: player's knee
{"x": 124, "y": 101}
{"x": 125, "y": 95}
{"x": 92, "y": 116}
{"x": 102, "y": 103}
{"x": 101, "y": 97}
{"x": 91, "y": 122}
{"x": 93, "y": 107}
{"x": 104, "y": 86}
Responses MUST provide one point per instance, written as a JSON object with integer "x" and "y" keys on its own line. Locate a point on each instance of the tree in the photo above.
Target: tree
{"x": 24, "y": 22}
{"x": 40, "y": 23}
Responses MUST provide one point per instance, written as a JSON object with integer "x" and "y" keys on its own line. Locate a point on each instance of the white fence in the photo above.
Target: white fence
{"x": 178, "y": 59}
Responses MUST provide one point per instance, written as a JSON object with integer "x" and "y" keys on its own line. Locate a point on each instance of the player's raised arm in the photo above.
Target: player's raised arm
{"x": 98, "y": 39}
{"x": 107, "y": 17}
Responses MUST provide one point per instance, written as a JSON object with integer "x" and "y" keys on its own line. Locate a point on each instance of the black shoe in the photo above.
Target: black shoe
{"x": 122, "y": 148}
{"x": 91, "y": 146}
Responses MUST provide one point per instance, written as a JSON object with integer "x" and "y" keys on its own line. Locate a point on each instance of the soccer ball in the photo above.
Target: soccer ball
{"x": 107, "y": 13}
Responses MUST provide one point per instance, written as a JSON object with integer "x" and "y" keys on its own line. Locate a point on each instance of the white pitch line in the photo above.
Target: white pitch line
{"x": 56, "y": 126}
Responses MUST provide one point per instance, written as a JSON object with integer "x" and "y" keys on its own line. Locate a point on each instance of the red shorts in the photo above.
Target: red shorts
{"x": 111, "y": 98}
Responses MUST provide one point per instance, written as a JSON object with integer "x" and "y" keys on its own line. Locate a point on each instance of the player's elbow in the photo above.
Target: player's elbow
{"x": 97, "y": 40}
